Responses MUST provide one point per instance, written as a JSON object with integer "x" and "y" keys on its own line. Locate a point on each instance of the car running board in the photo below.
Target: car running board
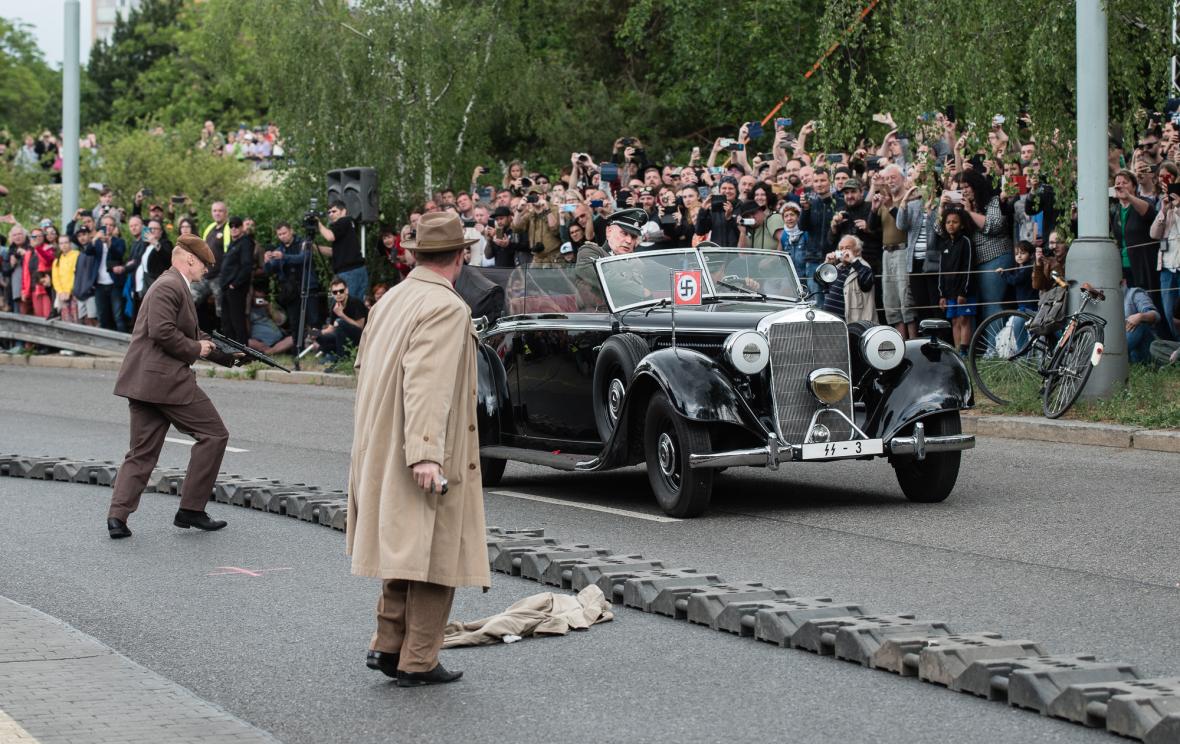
{"x": 556, "y": 460}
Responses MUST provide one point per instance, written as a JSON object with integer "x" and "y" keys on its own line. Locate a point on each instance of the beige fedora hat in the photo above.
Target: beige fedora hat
{"x": 439, "y": 232}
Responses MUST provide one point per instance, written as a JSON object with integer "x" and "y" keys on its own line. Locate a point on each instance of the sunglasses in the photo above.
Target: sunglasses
{"x": 339, "y": 291}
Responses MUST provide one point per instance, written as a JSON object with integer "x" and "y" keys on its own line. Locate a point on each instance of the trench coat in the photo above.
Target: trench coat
{"x": 415, "y": 401}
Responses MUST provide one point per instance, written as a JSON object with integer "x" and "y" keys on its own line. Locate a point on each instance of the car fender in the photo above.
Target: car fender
{"x": 932, "y": 379}
{"x": 697, "y": 386}
{"x": 491, "y": 398}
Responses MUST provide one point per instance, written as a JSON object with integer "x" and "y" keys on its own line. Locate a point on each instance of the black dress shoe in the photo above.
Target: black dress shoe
{"x": 383, "y": 661}
{"x": 117, "y": 528}
{"x": 187, "y": 518}
{"x": 436, "y": 676}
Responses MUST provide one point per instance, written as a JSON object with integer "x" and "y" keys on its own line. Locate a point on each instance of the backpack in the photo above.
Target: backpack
{"x": 1050, "y": 313}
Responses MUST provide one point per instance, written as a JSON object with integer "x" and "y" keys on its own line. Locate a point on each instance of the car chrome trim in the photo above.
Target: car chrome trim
{"x": 921, "y": 445}
{"x": 773, "y": 454}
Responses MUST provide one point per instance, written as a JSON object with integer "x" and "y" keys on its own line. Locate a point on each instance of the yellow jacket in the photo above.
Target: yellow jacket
{"x": 63, "y": 272}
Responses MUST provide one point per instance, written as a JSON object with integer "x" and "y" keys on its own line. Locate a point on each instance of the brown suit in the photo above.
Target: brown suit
{"x": 161, "y": 389}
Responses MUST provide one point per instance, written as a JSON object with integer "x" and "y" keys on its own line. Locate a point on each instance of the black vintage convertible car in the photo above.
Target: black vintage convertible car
{"x": 597, "y": 372}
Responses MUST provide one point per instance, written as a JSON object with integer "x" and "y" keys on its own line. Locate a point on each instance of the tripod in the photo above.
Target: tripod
{"x": 304, "y": 290}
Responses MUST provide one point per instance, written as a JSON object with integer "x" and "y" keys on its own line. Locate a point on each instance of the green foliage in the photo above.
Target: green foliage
{"x": 141, "y": 38}
{"x": 30, "y": 92}
{"x": 30, "y": 198}
{"x": 1151, "y": 399}
{"x": 166, "y": 163}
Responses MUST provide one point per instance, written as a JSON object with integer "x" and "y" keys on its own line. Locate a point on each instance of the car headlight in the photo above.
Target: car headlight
{"x": 829, "y": 385}
{"x": 747, "y": 351}
{"x": 882, "y": 347}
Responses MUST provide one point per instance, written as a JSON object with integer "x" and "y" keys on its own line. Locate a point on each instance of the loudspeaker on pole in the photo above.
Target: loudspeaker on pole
{"x": 357, "y": 188}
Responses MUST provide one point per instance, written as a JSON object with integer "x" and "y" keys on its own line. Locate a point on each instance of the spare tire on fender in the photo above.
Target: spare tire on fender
{"x": 613, "y": 370}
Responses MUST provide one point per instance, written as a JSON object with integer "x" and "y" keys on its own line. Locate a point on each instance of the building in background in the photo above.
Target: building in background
{"x": 104, "y": 13}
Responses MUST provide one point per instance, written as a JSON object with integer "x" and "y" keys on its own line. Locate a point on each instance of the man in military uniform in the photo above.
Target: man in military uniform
{"x": 622, "y": 234}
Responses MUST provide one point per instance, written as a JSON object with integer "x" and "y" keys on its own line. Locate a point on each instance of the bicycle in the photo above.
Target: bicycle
{"x": 1009, "y": 363}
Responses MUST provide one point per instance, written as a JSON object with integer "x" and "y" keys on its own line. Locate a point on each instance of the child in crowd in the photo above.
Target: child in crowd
{"x": 1020, "y": 278}
{"x": 954, "y": 280}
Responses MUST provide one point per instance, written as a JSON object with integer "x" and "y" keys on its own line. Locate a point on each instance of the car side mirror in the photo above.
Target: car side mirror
{"x": 933, "y": 327}
{"x": 826, "y": 274}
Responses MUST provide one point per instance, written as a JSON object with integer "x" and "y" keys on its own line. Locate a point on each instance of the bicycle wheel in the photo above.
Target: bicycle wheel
{"x": 1005, "y": 359}
{"x": 1068, "y": 371}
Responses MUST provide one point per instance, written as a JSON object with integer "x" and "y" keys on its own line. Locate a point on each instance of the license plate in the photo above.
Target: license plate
{"x": 833, "y": 450}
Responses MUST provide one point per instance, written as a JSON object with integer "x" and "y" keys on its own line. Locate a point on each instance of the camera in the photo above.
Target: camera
{"x": 583, "y": 158}
{"x": 746, "y": 221}
{"x": 311, "y": 218}
{"x": 146, "y": 192}
{"x": 468, "y": 222}
{"x": 538, "y": 247}
{"x": 627, "y": 141}
{"x": 717, "y": 202}
{"x": 483, "y": 170}
{"x": 533, "y": 198}
{"x": 783, "y": 123}
{"x": 525, "y": 182}
{"x": 568, "y": 208}
{"x": 596, "y": 203}
{"x": 175, "y": 199}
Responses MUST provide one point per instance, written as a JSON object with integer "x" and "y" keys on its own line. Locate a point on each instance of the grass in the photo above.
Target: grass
{"x": 1150, "y": 400}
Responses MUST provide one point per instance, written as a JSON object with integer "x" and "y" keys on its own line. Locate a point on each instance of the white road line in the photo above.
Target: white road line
{"x": 190, "y": 443}
{"x": 590, "y": 507}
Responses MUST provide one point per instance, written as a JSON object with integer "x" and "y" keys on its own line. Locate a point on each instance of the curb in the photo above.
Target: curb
{"x": 112, "y": 364}
{"x": 1006, "y": 427}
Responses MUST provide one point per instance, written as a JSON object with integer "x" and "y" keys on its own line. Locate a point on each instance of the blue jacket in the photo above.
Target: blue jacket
{"x": 1020, "y": 279}
{"x": 114, "y": 256}
{"x": 816, "y": 221}
{"x": 290, "y": 266}
{"x": 86, "y": 274}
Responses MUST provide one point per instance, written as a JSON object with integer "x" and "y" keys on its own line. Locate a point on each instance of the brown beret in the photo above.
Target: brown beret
{"x": 197, "y": 247}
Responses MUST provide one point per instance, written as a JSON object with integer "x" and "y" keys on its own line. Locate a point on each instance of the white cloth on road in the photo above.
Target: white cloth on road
{"x": 540, "y": 614}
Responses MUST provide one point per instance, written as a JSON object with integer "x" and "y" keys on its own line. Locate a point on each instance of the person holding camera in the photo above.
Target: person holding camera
{"x": 719, "y": 221}
{"x": 851, "y": 295}
{"x": 347, "y": 261}
{"x": 501, "y": 245}
{"x": 675, "y": 219}
{"x": 108, "y": 248}
{"x": 1131, "y": 217}
{"x": 347, "y": 318}
{"x": 237, "y": 267}
{"x": 537, "y": 223}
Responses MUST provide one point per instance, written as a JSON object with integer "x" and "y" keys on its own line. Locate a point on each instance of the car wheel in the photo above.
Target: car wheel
{"x": 613, "y": 370}
{"x": 668, "y": 441}
{"x": 931, "y": 480}
{"x": 492, "y": 470}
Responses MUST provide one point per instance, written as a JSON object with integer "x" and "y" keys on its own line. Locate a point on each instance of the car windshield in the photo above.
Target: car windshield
{"x": 767, "y": 272}
{"x": 633, "y": 279}
{"x": 538, "y": 289}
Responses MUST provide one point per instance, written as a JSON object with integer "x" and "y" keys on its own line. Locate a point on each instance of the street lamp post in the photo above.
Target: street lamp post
{"x": 70, "y": 92}
{"x": 1093, "y": 257}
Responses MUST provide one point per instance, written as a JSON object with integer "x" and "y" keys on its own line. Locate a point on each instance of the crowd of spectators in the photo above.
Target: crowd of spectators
{"x": 920, "y": 225}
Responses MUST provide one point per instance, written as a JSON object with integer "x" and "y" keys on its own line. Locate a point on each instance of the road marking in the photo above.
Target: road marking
{"x": 190, "y": 443}
{"x": 12, "y": 732}
{"x": 235, "y": 571}
{"x": 590, "y": 507}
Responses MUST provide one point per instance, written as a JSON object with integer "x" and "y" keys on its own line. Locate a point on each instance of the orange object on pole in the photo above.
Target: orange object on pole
{"x": 824, "y": 57}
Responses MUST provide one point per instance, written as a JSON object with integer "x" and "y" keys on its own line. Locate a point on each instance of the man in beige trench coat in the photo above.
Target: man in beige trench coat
{"x": 416, "y": 426}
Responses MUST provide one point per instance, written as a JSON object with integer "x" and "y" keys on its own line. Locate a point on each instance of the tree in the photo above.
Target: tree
{"x": 30, "y": 96}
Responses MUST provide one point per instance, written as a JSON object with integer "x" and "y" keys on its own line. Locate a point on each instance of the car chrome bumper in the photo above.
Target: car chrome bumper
{"x": 919, "y": 445}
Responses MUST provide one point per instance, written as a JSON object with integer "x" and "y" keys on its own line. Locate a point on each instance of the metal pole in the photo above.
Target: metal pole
{"x": 1093, "y": 257}
{"x": 70, "y": 104}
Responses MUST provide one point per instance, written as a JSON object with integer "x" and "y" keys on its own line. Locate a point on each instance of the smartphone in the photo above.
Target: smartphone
{"x": 754, "y": 129}
{"x": 1021, "y": 183}
{"x": 178, "y": 200}
{"x": 717, "y": 201}
{"x": 727, "y": 142}
{"x": 835, "y": 157}
{"x": 1111, "y": 193}
{"x": 783, "y": 123}
{"x": 949, "y": 112}
{"x": 716, "y": 170}
{"x": 955, "y": 196}
{"x": 735, "y": 147}
{"x": 568, "y": 207}
{"x": 483, "y": 170}
{"x": 595, "y": 203}
{"x": 702, "y": 191}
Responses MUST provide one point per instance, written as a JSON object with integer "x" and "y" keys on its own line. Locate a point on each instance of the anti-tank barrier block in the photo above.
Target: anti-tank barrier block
{"x": 1087, "y": 703}
{"x": 511, "y": 560}
{"x": 498, "y": 543}
{"x": 507, "y": 533}
{"x": 89, "y": 472}
{"x": 237, "y": 491}
{"x": 942, "y": 660}
{"x": 1035, "y": 686}
{"x": 1141, "y": 713}
{"x": 534, "y": 562}
{"x": 1167, "y": 731}
{"x": 705, "y": 606}
{"x": 819, "y": 634}
{"x": 989, "y": 678}
{"x": 860, "y": 641}
{"x": 332, "y": 513}
{"x": 902, "y": 655}
{"x": 605, "y": 572}
{"x": 560, "y": 571}
{"x": 35, "y": 468}
{"x": 641, "y": 592}
{"x": 165, "y": 480}
{"x": 779, "y": 621}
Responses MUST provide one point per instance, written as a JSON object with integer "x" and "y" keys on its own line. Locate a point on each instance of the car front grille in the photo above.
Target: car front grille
{"x": 797, "y": 347}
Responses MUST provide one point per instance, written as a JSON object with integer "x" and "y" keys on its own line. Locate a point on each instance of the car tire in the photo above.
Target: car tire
{"x": 931, "y": 480}
{"x": 613, "y": 370}
{"x": 491, "y": 470}
{"x": 669, "y": 440}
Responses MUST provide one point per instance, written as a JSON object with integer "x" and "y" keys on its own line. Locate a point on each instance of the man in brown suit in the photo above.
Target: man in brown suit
{"x": 161, "y": 390}
{"x": 415, "y": 430}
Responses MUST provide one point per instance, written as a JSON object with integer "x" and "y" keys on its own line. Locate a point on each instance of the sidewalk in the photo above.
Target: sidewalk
{"x": 60, "y": 685}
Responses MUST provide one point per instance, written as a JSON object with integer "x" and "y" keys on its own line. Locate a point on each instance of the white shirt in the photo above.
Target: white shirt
{"x": 104, "y": 276}
{"x": 142, "y": 268}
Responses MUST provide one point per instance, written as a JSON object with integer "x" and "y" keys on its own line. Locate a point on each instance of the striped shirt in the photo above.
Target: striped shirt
{"x": 994, "y": 239}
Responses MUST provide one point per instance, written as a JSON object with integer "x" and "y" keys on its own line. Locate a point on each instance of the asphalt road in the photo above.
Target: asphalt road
{"x": 1071, "y": 546}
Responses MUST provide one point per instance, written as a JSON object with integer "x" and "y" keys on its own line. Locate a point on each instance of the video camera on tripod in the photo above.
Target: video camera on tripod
{"x": 312, "y": 218}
